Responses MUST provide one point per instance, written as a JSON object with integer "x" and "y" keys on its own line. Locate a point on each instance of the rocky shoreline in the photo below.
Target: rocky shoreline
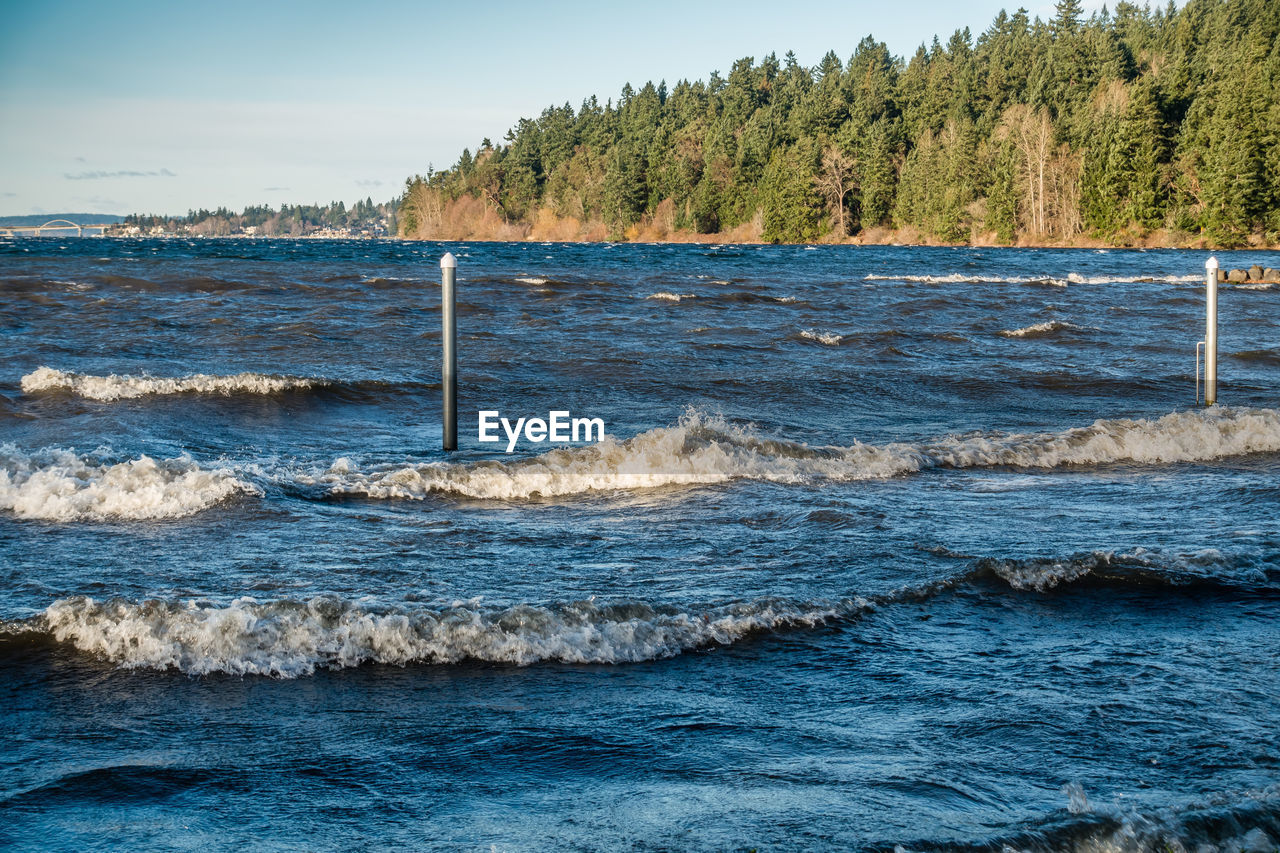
{"x": 1253, "y": 275}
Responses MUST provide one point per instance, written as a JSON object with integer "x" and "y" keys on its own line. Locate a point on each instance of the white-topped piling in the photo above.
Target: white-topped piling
{"x": 449, "y": 338}
{"x": 1211, "y": 332}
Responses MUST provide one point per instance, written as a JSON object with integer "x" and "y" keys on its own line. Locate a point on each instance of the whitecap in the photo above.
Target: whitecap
{"x": 291, "y": 638}
{"x": 831, "y": 339}
{"x": 59, "y": 485}
{"x": 701, "y": 449}
{"x": 1038, "y": 329}
{"x": 116, "y": 387}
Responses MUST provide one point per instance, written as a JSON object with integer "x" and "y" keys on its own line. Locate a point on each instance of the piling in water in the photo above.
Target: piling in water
{"x": 1211, "y": 332}
{"x": 449, "y": 337}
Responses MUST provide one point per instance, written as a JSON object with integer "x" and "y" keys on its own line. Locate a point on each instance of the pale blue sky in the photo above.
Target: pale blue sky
{"x": 119, "y": 107}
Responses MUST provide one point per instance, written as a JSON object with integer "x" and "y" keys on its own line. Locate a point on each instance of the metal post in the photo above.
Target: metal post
{"x": 449, "y": 337}
{"x": 1211, "y": 332}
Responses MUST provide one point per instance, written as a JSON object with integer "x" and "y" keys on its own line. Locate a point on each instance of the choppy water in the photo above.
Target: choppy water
{"x": 885, "y": 546}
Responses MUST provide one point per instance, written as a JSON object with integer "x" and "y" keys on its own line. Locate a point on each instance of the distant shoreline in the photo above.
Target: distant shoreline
{"x": 895, "y": 238}
{"x": 904, "y": 239}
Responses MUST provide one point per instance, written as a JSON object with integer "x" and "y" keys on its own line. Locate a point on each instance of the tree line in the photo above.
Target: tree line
{"x": 291, "y": 220}
{"x": 1119, "y": 126}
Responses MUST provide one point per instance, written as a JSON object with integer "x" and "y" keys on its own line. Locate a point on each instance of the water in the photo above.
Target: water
{"x": 885, "y": 546}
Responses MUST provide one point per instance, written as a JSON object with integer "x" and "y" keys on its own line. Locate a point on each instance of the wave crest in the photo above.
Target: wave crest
{"x": 1141, "y": 566}
{"x": 117, "y": 387}
{"x": 291, "y": 638}
{"x": 58, "y": 485}
{"x": 1038, "y": 330}
{"x": 830, "y": 339}
{"x": 705, "y": 450}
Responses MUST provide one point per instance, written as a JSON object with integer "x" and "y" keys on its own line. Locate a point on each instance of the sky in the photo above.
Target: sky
{"x": 163, "y": 107}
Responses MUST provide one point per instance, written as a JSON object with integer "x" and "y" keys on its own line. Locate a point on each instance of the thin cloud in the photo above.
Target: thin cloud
{"x": 275, "y": 189}
{"x": 370, "y": 183}
{"x": 125, "y": 173}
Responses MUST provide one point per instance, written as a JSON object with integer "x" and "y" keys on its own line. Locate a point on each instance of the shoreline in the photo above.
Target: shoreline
{"x": 899, "y": 238}
{"x": 894, "y": 239}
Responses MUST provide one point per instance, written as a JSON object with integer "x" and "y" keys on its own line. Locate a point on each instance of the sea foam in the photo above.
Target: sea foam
{"x": 1055, "y": 281}
{"x": 701, "y": 449}
{"x": 290, "y": 638}
{"x": 58, "y": 485}
{"x": 1038, "y": 330}
{"x": 831, "y": 339}
{"x": 115, "y": 387}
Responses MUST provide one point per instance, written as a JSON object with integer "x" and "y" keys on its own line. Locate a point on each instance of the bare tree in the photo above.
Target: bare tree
{"x": 1032, "y": 135}
{"x": 835, "y": 181}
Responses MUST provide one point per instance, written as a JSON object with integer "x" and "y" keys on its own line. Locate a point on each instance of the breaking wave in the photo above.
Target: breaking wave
{"x": 831, "y": 339}
{"x": 115, "y": 387}
{"x": 1054, "y": 281}
{"x": 701, "y": 449}
{"x": 1039, "y": 329}
{"x": 1239, "y": 822}
{"x": 291, "y": 638}
{"x": 1209, "y": 568}
{"x": 667, "y": 296}
{"x": 58, "y": 485}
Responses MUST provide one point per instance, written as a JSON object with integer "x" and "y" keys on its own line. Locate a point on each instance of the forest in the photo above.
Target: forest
{"x": 1131, "y": 126}
{"x": 291, "y": 220}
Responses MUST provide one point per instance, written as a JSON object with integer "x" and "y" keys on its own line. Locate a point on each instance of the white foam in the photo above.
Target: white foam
{"x": 1192, "y": 436}
{"x": 1042, "y": 575}
{"x": 531, "y": 279}
{"x": 291, "y": 638}
{"x": 961, "y": 278}
{"x": 58, "y": 485}
{"x": 115, "y": 387}
{"x": 698, "y": 450}
{"x": 701, "y": 449}
{"x": 1039, "y": 329}
{"x": 1055, "y": 281}
{"x": 831, "y": 339}
{"x": 667, "y": 296}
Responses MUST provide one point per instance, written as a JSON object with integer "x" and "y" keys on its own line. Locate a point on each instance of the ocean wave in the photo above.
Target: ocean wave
{"x": 1242, "y": 822}
{"x": 701, "y": 450}
{"x": 290, "y": 638}
{"x": 962, "y": 278}
{"x": 531, "y": 279}
{"x": 58, "y": 485}
{"x": 1045, "y": 280}
{"x": 667, "y": 296}
{"x": 831, "y": 339}
{"x": 1208, "y": 568}
{"x": 1039, "y": 330}
{"x": 116, "y": 387}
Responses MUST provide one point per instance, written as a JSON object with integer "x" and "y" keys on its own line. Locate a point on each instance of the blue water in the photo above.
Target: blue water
{"x": 918, "y": 547}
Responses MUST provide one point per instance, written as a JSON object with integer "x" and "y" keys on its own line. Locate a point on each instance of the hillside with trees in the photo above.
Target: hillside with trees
{"x": 363, "y": 218}
{"x": 1131, "y": 126}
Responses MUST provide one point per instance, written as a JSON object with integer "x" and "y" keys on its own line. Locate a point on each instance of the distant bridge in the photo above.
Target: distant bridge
{"x": 51, "y": 225}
